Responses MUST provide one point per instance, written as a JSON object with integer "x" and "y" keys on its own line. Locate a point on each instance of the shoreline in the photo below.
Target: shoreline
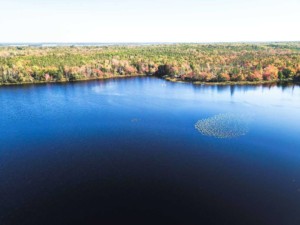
{"x": 166, "y": 78}
{"x": 223, "y": 83}
{"x": 68, "y": 81}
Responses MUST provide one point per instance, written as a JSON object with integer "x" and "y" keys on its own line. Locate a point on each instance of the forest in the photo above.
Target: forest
{"x": 222, "y": 62}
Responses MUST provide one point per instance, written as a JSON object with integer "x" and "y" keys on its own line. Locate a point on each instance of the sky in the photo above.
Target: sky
{"x": 149, "y": 21}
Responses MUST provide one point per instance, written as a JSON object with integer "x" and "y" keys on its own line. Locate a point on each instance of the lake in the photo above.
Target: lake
{"x": 148, "y": 151}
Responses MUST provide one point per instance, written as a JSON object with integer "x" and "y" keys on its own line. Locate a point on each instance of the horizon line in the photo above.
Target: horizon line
{"x": 139, "y": 42}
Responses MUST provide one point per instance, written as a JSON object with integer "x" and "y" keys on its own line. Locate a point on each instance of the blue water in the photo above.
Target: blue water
{"x": 126, "y": 151}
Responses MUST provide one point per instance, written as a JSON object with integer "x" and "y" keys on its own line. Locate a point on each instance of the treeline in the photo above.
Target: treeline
{"x": 196, "y": 62}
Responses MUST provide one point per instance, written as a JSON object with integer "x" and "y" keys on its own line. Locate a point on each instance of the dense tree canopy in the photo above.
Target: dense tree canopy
{"x": 197, "y": 62}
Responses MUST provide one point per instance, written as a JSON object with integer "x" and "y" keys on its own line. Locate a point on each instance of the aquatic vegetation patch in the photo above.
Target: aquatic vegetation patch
{"x": 226, "y": 125}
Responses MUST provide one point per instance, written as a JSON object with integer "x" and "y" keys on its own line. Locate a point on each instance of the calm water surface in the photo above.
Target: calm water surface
{"x": 127, "y": 152}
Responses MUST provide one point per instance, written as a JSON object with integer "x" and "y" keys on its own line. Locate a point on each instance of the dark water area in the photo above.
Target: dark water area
{"x": 127, "y": 151}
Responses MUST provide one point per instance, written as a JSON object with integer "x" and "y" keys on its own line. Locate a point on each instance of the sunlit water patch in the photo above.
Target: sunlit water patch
{"x": 228, "y": 125}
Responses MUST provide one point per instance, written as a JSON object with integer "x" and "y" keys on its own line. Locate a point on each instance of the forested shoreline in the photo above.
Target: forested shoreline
{"x": 199, "y": 63}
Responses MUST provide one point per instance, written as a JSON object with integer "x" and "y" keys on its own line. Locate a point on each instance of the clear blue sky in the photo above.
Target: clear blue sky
{"x": 149, "y": 21}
